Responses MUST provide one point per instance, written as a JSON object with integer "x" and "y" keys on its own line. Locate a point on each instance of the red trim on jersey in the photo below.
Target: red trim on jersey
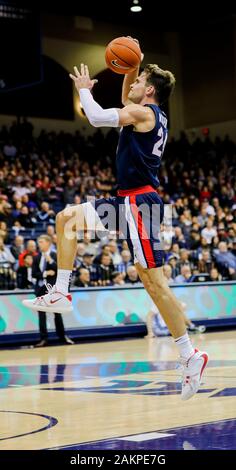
{"x": 136, "y": 191}
{"x": 145, "y": 242}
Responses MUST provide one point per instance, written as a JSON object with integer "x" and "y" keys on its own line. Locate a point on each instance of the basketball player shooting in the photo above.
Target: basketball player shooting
{"x": 140, "y": 149}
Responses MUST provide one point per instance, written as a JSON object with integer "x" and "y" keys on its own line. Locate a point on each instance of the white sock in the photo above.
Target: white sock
{"x": 63, "y": 279}
{"x": 185, "y": 346}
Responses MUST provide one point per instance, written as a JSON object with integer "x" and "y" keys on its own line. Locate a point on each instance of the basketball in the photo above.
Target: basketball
{"x": 123, "y": 55}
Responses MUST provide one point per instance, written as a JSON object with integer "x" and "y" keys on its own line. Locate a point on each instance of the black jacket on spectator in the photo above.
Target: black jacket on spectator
{"x": 26, "y": 220}
{"x": 38, "y": 275}
{"x": 45, "y": 217}
{"x": 22, "y": 278}
{"x": 104, "y": 273}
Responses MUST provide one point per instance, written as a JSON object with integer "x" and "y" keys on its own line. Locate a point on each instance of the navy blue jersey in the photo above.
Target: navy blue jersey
{"x": 139, "y": 153}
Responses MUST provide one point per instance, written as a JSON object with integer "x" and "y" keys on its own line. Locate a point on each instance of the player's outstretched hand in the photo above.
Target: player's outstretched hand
{"x": 82, "y": 79}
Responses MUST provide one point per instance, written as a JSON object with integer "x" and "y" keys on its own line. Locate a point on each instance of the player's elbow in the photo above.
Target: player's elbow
{"x": 94, "y": 121}
{"x": 106, "y": 118}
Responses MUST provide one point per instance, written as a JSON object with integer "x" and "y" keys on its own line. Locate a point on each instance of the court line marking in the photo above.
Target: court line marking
{"x": 145, "y": 436}
{"x": 52, "y": 422}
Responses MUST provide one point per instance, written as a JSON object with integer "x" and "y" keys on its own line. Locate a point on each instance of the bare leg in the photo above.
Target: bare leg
{"x": 170, "y": 308}
{"x": 68, "y": 222}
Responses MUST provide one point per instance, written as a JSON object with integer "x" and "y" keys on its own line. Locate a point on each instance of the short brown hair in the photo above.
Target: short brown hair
{"x": 162, "y": 80}
{"x": 45, "y": 237}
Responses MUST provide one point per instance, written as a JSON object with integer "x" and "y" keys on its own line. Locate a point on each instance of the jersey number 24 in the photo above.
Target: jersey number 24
{"x": 159, "y": 146}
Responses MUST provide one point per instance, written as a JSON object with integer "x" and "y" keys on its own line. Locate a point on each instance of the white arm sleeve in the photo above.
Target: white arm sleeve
{"x": 96, "y": 115}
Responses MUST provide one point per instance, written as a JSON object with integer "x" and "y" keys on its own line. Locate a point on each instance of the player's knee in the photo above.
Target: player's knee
{"x": 71, "y": 218}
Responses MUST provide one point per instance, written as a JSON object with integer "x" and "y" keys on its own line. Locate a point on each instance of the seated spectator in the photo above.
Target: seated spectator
{"x": 210, "y": 210}
{"x": 175, "y": 251}
{"x": 24, "y": 273}
{"x": 215, "y": 202}
{"x": 70, "y": 191}
{"x": 231, "y": 237}
{"x": 115, "y": 255}
{"x": 184, "y": 257}
{"x": 179, "y": 238}
{"x": 46, "y": 214}
{"x": 125, "y": 263}
{"x": 87, "y": 263}
{"x": 90, "y": 246}
{"x": 186, "y": 218}
{"x": 178, "y": 208}
{"x": 195, "y": 207}
{"x": 205, "y": 263}
{"x": 117, "y": 279}
{"x": 195, "y": 240}
{"x": 20, "y": 188}
{"x": 173, "y": 262}
{"x": 124, "y": 245}
{"x": 215, "y": 275}
{"x": 87, "y": 260}
{"x": 209, "y": 232}
{"x": 220, "y": 215}
{"x": 30, "y": 250}
{"x": 203, "y": 246}
{"x": 105, "y": 270}
{"x": 215, "y": 243}
{"x": 5, "y": 211}
{"x": 132, "y": 276}
{"x": 17, "y": 211}
{"x": 32, "y": 206}
{"x": 105, "y": 251}
{"x": 5, "y": 254}
{"x": 205, "y": 193}
{"x": 17, "y": 247}
{"x": 26, "y": 219}
{"x": 83, "y": 278}
{"x": 168, "y": 233}
{"x": 79, "y": 255}
{"x": 168, "y": 273}
{"x": 202, "y": 217}
{"x": 222, "y": 233}
{"x": 226, "y": 261}
{"x": 185, "y": 274}
{"x": 3, "y": 230}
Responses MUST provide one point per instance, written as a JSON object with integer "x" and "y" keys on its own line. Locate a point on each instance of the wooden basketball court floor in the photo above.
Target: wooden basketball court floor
{"x": 117, "y": 395}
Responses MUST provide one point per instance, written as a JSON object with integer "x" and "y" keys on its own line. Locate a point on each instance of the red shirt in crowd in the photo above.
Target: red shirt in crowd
{"x": 22, "y": 255}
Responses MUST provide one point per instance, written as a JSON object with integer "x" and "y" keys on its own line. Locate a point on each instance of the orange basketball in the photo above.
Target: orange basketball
{"x": 123, "y": 55}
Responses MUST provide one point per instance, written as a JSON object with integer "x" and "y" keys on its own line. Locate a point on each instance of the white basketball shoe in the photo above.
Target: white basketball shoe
{"x": 53, "y": 301}
{"x": 193, "y": 369}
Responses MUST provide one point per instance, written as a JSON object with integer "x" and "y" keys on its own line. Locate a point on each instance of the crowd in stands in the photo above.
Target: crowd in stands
{"x": 40, "y": 176}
